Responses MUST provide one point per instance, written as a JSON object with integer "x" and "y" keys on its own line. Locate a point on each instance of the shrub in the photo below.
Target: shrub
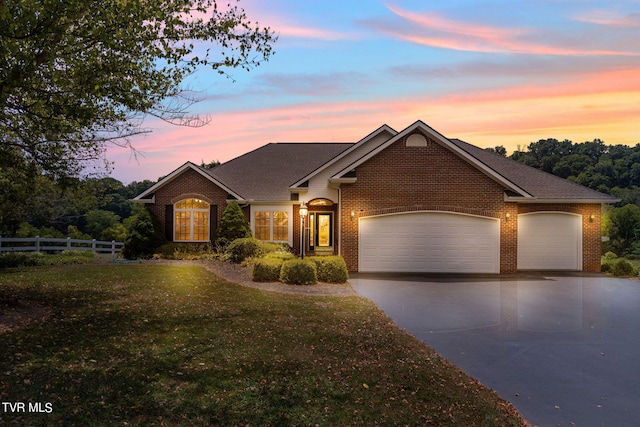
{"x": 332, "y": 269}
{"x": 284, "y": 256}
{"x": 143, "y": 235}
{"x": 267, "y": 269}
{"x": 233, "y": 225}
{"x": 623, "y": 268}
{"x": 606, "y": 267}
{"x": 299, "y": 272}
{"x": 241, "y": 249}
{"x": 17, "y": 259}
{"x": 183, "y": 251}
{"x": 610, "y": 256}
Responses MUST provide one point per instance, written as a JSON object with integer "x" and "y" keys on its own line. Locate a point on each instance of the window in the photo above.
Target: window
{"x": 191, "y": 221}
{"x": 263, "y": 225}
{"x": 272, "y": 226}
{"x": 280, "y": 226}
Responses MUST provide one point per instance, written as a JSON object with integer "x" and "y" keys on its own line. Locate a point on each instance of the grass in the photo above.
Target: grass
{"x": 176, "y": 346}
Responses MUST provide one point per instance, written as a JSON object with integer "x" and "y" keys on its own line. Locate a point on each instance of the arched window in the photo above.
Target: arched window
{"x": 191, "y": 221}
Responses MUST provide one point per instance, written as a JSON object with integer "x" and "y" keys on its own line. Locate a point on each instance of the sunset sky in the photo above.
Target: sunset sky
{"x": 488, "y": 72}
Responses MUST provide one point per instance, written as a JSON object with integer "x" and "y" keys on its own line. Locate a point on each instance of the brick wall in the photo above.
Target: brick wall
{"x": 188, "y": 184}
{"x": 403, "y": 179}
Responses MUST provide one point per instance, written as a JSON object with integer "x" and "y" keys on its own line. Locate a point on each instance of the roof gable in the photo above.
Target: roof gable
{"x": 381, "y": 134}
{"x": 144, "y": 196}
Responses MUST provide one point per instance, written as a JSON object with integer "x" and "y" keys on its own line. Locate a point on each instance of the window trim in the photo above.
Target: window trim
{"x": 191, "y": 212}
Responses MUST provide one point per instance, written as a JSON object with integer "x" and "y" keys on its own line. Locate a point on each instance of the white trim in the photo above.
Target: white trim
{"x": 380, "y": 130}
{"x": 444, "y": 142}
{"x": 191, "y": 221}
{"x": 579, "y": 233}
{"x": 176, "y": 173}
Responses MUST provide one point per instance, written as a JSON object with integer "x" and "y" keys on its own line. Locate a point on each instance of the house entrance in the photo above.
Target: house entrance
{"x": 321, "y": 231}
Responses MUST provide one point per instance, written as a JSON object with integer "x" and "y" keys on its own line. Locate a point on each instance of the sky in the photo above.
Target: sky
{"x": 488, "y": 72}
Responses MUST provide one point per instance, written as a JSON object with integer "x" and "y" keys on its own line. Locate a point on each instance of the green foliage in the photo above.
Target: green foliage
{"x": 267, "y": 269}
{"x": 299, "y": 272}
{"x": 623, "y": 227}
{"x": 280, "y": 254}
{"x": 623, "y": 268}
{"x": 332, "y": 269}
{"x": 76, "y": 73}
{"x": 27, "y": 230}
{"x": 97, "y": 221}
{"x": 184, "y": 251}
{"x": 30, "y": 259}
{"x": 241, "y": 249}
{"x": 143, "y": 235}
{"x": 233, "y": 225}
{"x": 609, "y": 256}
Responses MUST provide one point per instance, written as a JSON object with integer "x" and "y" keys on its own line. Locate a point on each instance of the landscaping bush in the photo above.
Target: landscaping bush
{"x": 17, "y": 259}
{"x": 623, "y": 268}
{"x": 332, "y": 269}
{"x": 606, "y": 267}
{"x": 241, "y": 249}
{"x": 30, "y": 259}
{"x": 233, "y": 225}
{"x": 267, "y": 269}
{"x": 284, "y": 256}
{"x": 143, "y": 235}
{"x": 299, "y": 272}
{"x": 183, "y": 251}
{"x": 610, "y": 256}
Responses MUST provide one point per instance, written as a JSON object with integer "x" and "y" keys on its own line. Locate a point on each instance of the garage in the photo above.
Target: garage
{"x": 437, "y": 242}
{"x": 549, "y": 241}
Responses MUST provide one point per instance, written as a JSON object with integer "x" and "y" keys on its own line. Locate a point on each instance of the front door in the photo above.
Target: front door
{"x": 321, "y": 231}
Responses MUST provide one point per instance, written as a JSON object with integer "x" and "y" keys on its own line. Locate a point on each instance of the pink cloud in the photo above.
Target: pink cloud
{"x": 609, "y": 18}
{"x": 431, "y": 29}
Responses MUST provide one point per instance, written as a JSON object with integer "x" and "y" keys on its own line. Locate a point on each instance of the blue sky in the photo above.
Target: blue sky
{"x": 491, "y": 73}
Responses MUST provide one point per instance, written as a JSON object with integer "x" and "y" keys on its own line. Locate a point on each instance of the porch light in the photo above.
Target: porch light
{"x": 303, "y": 214}
{"x": 592, "y": 217}
{"x": 353, "y": 215}
{"x": 507, "y": 216}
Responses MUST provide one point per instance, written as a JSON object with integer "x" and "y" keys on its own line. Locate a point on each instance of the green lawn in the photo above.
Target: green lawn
{"x": 174, "y": 345}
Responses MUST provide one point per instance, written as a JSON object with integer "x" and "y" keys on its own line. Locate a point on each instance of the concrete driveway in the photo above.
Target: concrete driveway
{"x": 564, "y": 349}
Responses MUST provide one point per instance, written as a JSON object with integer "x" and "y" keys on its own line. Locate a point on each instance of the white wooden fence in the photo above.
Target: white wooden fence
{"x": 29, "y": 244}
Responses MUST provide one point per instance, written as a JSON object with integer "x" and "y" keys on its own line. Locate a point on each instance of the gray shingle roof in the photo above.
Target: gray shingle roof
{"x": 266, "y": 173}
{"x": 540, "y": 184}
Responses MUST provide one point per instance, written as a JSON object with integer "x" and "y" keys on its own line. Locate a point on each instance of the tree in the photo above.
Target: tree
{"x": 233, "y": 225}
{"x": 498, "y": 149}
{"x": 624, "y": 227}
{"x": 80, "y": 74}
{"x": 143, "y": 234}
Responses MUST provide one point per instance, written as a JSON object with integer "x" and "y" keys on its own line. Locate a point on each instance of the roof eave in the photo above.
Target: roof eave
{"x": 141, "y": 198}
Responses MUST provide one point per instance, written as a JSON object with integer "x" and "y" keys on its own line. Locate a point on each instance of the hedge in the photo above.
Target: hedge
{"x": 299, "y": 272}
{"x": 332, "y": 269}
{"x": 267, "y": 269}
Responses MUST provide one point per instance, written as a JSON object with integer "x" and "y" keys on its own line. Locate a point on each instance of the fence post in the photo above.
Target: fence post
{"x": 37, "y": 243}
{"x": 113, "y": 248}
{"x": 0, "y": 244}
{"x": 93, "y": 245}
{"x": 68, "y": 243}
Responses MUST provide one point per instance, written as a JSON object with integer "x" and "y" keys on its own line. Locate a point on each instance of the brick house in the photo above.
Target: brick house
{"x": 409, "y": 201}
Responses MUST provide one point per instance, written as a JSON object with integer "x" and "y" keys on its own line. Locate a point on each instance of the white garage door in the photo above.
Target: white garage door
{"x": 438, "y": 242}
{"x": 549, "y": 241}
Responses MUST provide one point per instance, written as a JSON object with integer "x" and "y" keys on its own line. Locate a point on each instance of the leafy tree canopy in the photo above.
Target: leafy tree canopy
{"x": 80, "y": 74}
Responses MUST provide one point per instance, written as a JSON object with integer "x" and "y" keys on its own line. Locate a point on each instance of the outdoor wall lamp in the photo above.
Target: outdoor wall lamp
{"x": 507, "y": 216}
{"x": 303, "y": 214}
{"x": 592, "y": 217}
{"x": 353, "y": 215}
